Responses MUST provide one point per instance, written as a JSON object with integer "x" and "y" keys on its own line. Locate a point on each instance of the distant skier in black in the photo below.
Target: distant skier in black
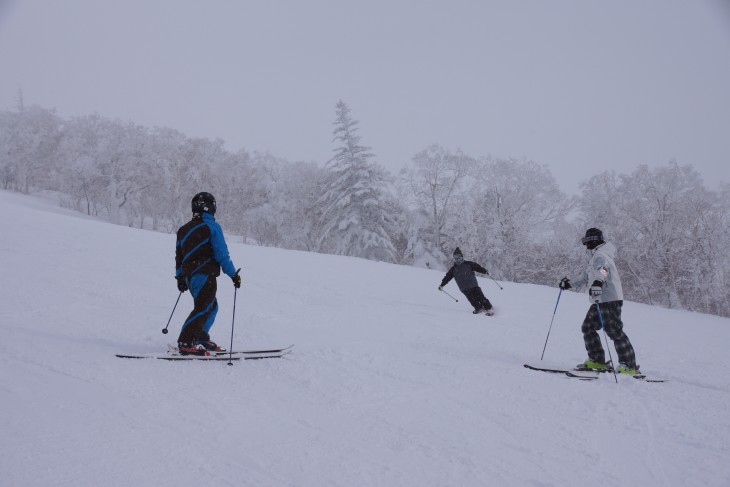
{"x": 463, "y": 271}
{"x": 200, "y": 253}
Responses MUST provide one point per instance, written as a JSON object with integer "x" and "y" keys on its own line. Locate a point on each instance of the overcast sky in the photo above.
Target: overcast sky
{"x": 580, "y": 85}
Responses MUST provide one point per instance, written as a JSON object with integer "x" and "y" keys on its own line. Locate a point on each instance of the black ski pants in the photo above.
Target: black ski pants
{"x": 611, "y": 315}
{"x": 203, "y": 288}
{"x": 477, "y": 299}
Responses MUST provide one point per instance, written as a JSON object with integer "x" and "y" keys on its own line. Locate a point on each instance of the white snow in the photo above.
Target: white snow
{"x": 391, "y": 383}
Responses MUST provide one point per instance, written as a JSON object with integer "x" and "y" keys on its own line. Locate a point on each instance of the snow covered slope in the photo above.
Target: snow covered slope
{"x": 391, "y": 382}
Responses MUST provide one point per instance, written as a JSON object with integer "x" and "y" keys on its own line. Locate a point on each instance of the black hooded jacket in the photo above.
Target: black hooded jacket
{"x": 464, "y": 275}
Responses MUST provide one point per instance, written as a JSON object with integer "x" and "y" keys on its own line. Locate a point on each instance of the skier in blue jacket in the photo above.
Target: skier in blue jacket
{"x": 200, "y": 253}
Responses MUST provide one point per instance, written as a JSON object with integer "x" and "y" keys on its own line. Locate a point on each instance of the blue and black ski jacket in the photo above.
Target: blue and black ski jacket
{"x": 201, "y": 249}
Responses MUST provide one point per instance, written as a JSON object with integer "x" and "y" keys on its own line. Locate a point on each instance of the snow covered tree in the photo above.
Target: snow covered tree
{"x": 671, "y": 233}
{"x": 81, "y": 178}
{"x": 516, "y": 207}
{"x": 353, "y": 211}
{"x": 8, "y": 167}
{"x": 434, "y": 184}
{"x": 30, "y": 138}
{"x": 280, "y": 213}
{"x": 660, "y": 208}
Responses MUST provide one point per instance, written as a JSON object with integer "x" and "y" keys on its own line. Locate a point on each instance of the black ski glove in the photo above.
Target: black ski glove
{"x": 182, "y": 286}
{"x": 236, "y": 280}
{"x": 564, "y": 284}
{"x": 596, "y": 289}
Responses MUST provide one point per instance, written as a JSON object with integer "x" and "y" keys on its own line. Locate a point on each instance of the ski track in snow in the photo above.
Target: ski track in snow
{"x": 391, "y": 383}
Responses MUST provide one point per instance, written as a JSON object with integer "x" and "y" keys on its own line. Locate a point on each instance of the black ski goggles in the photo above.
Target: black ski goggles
{"x": 592, "y": 238}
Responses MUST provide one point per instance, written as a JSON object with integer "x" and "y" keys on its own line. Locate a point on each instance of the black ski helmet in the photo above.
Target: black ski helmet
{"x": 203, "y": 202}
{"x": 593, "y": 238}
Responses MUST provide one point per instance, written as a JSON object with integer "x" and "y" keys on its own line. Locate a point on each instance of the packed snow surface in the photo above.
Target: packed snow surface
{"x": 391, "y": 382}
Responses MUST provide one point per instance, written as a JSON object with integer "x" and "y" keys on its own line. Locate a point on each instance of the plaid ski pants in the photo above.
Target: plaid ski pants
{"x": 611, "y": 314}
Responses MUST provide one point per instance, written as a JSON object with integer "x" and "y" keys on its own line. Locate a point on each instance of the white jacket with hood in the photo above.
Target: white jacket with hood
{"x": 601, "y": 267}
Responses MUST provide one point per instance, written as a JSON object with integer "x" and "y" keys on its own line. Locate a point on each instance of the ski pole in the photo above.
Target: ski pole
{"x": 449, "y": 295}
{"x": 500, "y": 287}
{"x": 551, "y": 324}
{"x": 164, "y": 330}
{"x": 605, "y": 335}
{"x": 233, "y": 321}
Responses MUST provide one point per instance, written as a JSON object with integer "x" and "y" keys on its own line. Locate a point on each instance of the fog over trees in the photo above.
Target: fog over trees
{"x": 508, "y": 214}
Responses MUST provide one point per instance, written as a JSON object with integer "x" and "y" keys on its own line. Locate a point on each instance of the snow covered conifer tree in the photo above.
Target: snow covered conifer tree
{"x": 354, "y": 216}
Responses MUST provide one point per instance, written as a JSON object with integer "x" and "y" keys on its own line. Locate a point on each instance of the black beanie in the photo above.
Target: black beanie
{"x": 457, "y": 251}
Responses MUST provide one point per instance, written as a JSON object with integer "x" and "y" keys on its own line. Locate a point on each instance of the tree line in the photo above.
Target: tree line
{"x": 509, "y": 214}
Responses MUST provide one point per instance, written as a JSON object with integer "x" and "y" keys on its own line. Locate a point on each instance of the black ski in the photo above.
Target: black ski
{"x": 589, "y": 374}
{"x": 253, "y": 352}
{"x": 207, "y": 358}
{"x": 203, "y": 358}
{"x": 545, "y": 369}
{"x": 644, "y": 378}
{"x": 582, "y": 374}
{"x": 173, "y": 350}
{"x": 575, "y": 374}
{"x": 610, "y": 369}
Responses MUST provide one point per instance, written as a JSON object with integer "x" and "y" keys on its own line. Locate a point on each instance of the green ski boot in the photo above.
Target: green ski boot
{"x": 625, "y": 369}
{"x": 592, "y": 365}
